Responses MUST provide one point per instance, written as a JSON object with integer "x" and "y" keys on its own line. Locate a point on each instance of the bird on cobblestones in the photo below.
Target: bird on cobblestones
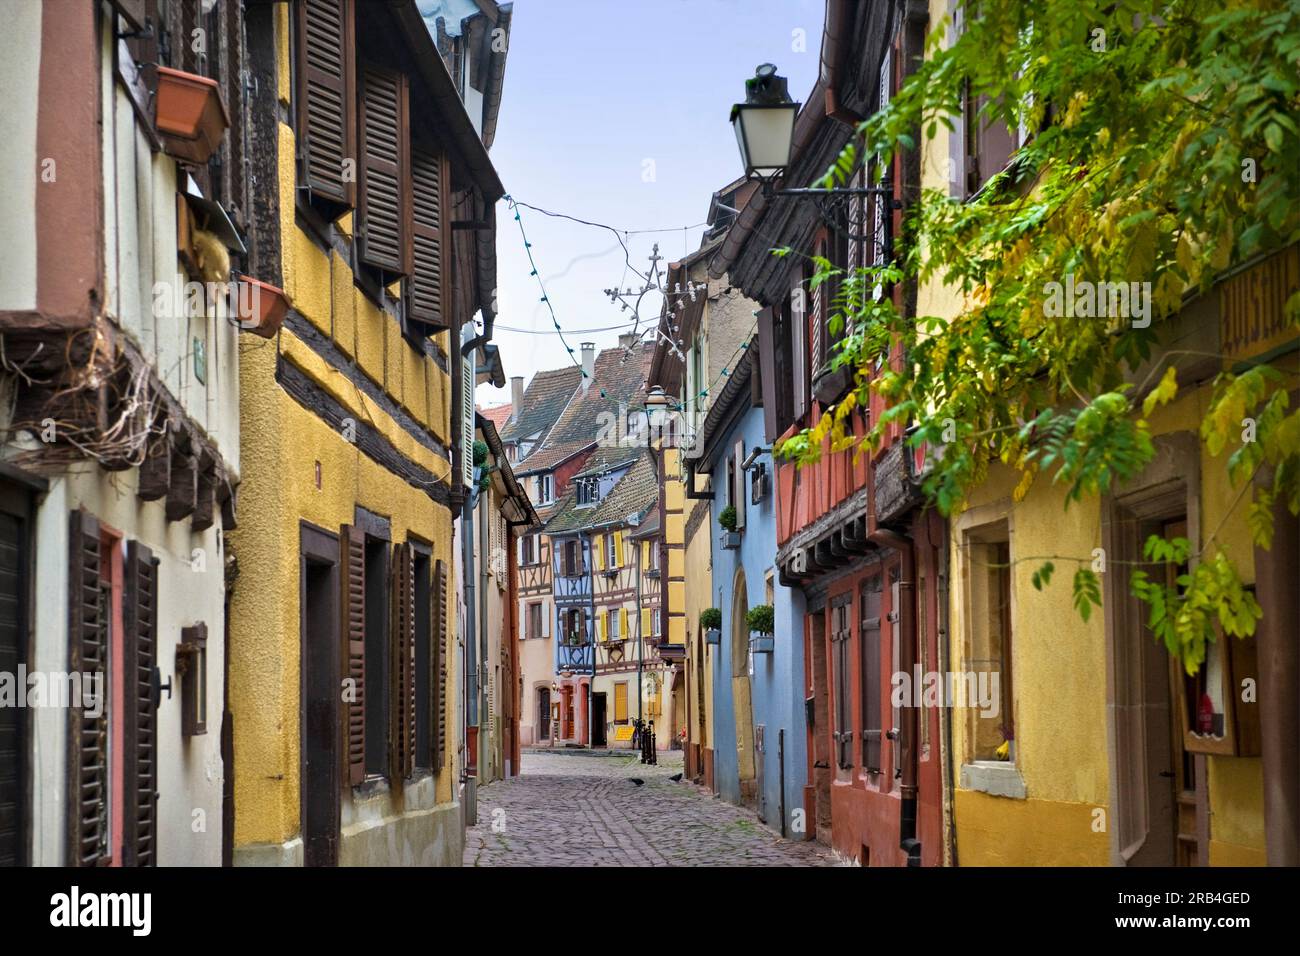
{"x": 636, "y": 780}
{"x": 676, "y": 778}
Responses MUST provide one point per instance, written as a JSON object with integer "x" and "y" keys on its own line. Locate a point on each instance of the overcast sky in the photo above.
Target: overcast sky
{"x": 616, "y": 111}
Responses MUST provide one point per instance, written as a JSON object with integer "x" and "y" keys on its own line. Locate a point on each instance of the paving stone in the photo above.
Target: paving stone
{"x": 581, "y": 809}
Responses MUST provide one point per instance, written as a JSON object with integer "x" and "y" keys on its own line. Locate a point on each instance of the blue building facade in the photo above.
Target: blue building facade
{"x": 759, "y": 723}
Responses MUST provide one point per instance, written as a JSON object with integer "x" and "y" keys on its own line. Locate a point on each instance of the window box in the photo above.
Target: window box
{"x": 189, "y": 115}
{"x": 713, "y": 636}
{"x": 731, "y": 540}
{"x": 761, "y": 643}
{"x": 260, "y": 307}
{"x": 830, "y": 384}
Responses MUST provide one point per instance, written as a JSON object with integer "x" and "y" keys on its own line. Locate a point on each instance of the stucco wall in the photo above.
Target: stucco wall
{"x": 20, "y": 65}
{"x": 775, "y": 686}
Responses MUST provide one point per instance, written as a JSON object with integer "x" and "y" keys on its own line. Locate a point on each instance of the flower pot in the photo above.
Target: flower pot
{"x": 189, "y": 115}
{"x": 760, "y": 643}
{"x": 731, "y": 540}
{"x": 260, "y": 307}
{"x": 713, "y": 636}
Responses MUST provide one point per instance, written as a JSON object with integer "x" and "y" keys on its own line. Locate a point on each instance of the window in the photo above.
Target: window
{"x": 587, "y": 491}
{"x": 656, "y": 622}
{"x": 544, "y": 489}
{"x": 620, "y": 702}
{"x": 533, "y": 621}
{"x": 650, "y": 555}
{"x": 613, "y": 550}
{"x": 987, "y": 687}
{"x": 528, "y": 549}
{"x": 325, "y": 104}
{"x": 841, "y": 613}
{"x": 869, "y": 655}
{"x": 574, "y": 625}
{"x": 612, "y": 617}
{"x": 571, "y": 566}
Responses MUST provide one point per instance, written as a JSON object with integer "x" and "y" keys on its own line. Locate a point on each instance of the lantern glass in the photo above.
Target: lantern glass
{"x": 765, "y": 135}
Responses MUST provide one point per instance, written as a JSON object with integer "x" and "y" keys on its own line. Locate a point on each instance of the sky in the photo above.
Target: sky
{"x": 616, "y": 111}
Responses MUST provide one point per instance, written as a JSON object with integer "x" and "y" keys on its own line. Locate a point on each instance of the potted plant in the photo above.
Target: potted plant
{"x": 711, "y": 623}
{"x": 730, "y": 536}
{"x": 189, "y": 115}
{"x": 260, "y": 307}
{"x": 761, "y": 622}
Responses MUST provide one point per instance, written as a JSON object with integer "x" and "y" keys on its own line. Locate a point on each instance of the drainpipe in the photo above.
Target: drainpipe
{"x": 938, "y": 532}
{"x": 591, "y": 633}
{"x": 485, "y": 747}
{"x": 907, "y": 656}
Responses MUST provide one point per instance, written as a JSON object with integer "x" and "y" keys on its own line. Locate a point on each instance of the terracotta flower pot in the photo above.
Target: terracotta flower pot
{"x": 260, "y": 307}
{"x": 189, "y": 115}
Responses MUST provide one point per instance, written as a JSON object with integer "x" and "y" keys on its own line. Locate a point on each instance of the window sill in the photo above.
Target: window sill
{"x": 993, "y": 777}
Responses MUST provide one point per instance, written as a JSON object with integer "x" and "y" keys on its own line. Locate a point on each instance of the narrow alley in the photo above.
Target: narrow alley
{"x": 578, "y": 808}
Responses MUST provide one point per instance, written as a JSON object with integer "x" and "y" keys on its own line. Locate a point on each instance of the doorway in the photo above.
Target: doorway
{"x": 543, "y": 713}
{"x": 819, "y": 716}
{"x": 740, "y": 691}
{"x": 598, "y": 738}
{"x": 320, "y": 782}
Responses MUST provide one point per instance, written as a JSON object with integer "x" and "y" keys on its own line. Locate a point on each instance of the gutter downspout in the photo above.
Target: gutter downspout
{"x": 942, "y": 588}
{"x": 471, "y": 637}
{"x": 907, "y": 656}
{"x": 591, "y": 631}
{"x": 485, "y": 745}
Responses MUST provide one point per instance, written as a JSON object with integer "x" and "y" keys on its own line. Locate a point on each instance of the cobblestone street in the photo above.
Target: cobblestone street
{"x": 581, "y": 809}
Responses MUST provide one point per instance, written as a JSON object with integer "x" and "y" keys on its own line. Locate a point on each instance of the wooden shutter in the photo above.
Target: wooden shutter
{"x": 352, "y": 545}
{"x": 767, "y": 373}
{"x": 140, "y": 723}
{"x": 438, "y": 660}
{"x": 622, "y": 624}
{"x": 739, "y": 501}
{"x": 843, "y": 736}
{"x": 646, "y": 630}
{"x": 87, "y": 796}
{"x": 430, "y": 177}
{"x": 325, "y": 97}
{"x": 598, "y": 545}
{"x": 870, "y": 627}
{"x": 600, "y": 627}
{"x": 620, "y": 702}
{"x": 401, "y": 737}
{"x": 384, "y": 209}
{"x": 799, "y": 351}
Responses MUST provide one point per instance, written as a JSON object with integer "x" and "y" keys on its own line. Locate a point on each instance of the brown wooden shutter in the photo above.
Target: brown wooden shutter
{"x": 739, "y": 502}
{"x": 401, "y": 737}
{"x": 140, "y": 656}
{"x": 384, "y": 209}
{"x": 438, "y": 659}
{"x": 325, "y": 98}
{"x": 429, "y": 182}
{"x": 352, "y": 543}
{"x": 88, "y": 736}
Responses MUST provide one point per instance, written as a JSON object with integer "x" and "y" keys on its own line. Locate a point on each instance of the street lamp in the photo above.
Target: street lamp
{"x": 656, "y": 403}
{"x": 764, "y": 124}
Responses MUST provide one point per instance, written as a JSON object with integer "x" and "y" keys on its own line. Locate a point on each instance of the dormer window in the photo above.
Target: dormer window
{"x": 587, "y": 491}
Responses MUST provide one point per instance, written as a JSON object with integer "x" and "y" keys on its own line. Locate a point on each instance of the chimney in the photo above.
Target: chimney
{"x": 588, "y": 363}
{"x": 516, "y": 396}
{"x": 628, "y": 340}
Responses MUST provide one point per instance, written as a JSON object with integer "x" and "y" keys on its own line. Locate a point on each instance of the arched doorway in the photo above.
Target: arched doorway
{"x": 740, "y": 696}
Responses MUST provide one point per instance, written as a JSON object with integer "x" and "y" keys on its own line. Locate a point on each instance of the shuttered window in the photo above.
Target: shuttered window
{"x": 840, "y": 646}
{"x": 384, "y": 209}
{"x": 429, "y": 185}
{"x": 140, "y": 723}
{"x": 620, "y": 702}
{"x": 325, "y": 104}
{"x": 869, "y": 625}
{"x": 353, "y": 580}
{"x": 401, "y": 734}
{"x": 87, "y": 795}
{"x": 439, "y": 734}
